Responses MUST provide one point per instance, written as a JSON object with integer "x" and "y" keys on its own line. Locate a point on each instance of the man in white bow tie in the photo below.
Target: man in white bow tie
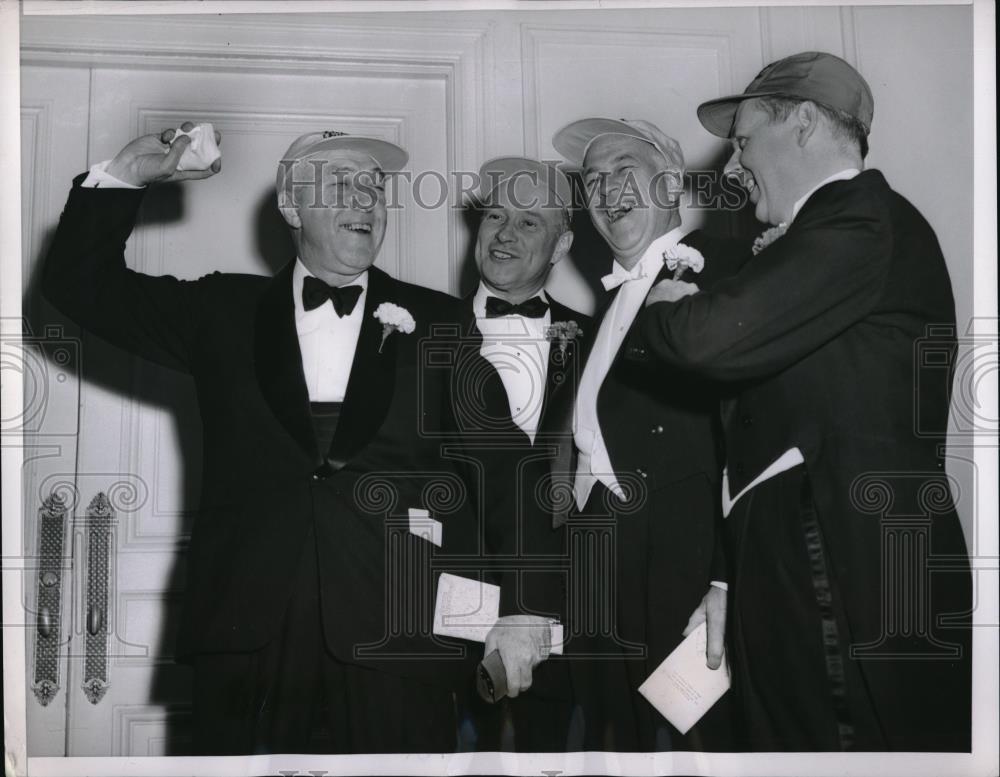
{"x": 648, "y": 467}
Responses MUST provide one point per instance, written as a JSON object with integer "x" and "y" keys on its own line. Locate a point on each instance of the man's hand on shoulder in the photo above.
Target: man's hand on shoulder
{"x": 154, "y": 158}
{"x": 524, "y": 641}
{"x": 671, "y": 291}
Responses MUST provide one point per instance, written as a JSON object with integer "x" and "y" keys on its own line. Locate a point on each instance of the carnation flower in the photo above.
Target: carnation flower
{"x": 394, "y": 319}
{"x": 682, "y": 257}
{"x": 768, "y": 236}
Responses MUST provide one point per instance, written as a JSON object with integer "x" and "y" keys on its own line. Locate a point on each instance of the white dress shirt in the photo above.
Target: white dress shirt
{"x": 517, "y": 348}
{"x": 793, "y": 456}
{"x": 327, "y": 341}
{"x": 593, "y": 463}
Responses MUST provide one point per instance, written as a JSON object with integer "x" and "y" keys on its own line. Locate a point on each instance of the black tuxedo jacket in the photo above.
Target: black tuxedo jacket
{"x": 536, "y": 575}
{"x": 661, "y": 429}
{"x": 543, "y": 479}
{"x": 266, "y": 485}
{"x": 838, "y": 339}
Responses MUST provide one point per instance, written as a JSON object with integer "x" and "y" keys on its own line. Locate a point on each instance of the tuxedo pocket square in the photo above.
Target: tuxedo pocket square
{"x": 424, "y": 526}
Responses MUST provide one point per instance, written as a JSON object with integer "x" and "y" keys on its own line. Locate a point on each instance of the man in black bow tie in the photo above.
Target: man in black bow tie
{"x": 328, "y": 502}
{"x": 529, "y": 338}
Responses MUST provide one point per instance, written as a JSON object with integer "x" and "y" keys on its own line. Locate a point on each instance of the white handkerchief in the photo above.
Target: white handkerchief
{"x": 203, "y": 150}
{"x": 424, "y": 526}
{"x": 683, "y": 688}
{"x": 465, "y": 608}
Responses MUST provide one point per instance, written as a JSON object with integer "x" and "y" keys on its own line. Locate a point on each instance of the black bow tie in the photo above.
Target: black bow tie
{"x": 530, "y": 308}
{"x": 315, "y": 293}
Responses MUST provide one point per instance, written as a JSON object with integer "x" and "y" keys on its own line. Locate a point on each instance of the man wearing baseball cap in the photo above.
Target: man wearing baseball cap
{"x": 646, "y": 447}
{"x": 537, "y": 346}
{"x": 828, "y": 482}
{"x": 313, "y": 441}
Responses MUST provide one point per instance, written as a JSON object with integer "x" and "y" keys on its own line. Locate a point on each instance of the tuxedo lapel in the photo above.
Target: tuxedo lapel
{"x": 373, "y": 376}
{"x": 560, "y": 367}
{"x": 278, "y": 361}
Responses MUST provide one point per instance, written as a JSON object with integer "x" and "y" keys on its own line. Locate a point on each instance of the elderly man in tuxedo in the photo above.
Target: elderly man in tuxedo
{"x": 820, "y": 336}
{"x": 536, "y": 345}
{"x": 648, "y": 463}
{"x": 327, "y": 502}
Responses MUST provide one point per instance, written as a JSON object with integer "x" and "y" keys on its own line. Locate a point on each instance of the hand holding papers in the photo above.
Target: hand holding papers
{"x": 683, "y": 688}
{"x": 515, "y": 644}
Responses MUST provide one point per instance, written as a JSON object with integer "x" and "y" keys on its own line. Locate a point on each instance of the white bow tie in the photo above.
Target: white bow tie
{"x": 620, "y": 275}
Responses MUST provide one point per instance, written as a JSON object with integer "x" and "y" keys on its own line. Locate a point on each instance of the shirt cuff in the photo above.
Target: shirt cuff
{"x": 98, "y": 178}
{"x": 720, "y": 584}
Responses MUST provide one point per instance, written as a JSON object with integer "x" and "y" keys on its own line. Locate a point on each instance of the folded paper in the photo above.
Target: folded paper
{"x": 683, "y": 688}
{"x": 468, "y": 609}
{"x": 424, "y": 526}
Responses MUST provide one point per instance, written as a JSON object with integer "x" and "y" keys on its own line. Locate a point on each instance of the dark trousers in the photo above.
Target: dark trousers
{"x": 620, "y": 635}
{"x": 294, "y": 696}
{"x": 796, "y": 682}
{"x": 528, "y": 724}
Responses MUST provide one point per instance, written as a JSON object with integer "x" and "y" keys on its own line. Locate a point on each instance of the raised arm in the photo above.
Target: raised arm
{"x": 85, "y": 274}
{"x": 824, "y": 275}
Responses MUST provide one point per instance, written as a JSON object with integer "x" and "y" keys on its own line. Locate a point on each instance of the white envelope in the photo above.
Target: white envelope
{"x": 683, "y": 688}
{"x": 465, "y": 608}
{"x": 468, "y": 609}
{"x": 424, "y": 526}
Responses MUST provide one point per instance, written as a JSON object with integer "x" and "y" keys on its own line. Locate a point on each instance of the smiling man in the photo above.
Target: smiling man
{"x": 820, "y": 337}
{"x": 524, "y": 231}
{"x": 647, "y": 449}
{"x": 305, "y": 632}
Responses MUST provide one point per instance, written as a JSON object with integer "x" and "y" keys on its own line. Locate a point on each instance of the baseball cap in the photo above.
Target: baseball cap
{"x": 389, "y": 156}
{"x": 810, "y": 75}
{"x": 573, "y": 140}
{"x": 502, "y": 169}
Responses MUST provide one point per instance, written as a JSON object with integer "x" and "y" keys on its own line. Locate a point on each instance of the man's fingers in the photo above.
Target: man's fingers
{"x": 173, "y": 156}
{"x": 715, "y": 628}
{"x": 696, "y": 619}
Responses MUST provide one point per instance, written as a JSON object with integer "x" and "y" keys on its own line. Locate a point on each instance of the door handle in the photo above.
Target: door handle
{"x": 48, "y": 599}
{"x": 100, "y": 554}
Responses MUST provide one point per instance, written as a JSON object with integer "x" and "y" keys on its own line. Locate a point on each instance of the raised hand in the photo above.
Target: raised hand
{"x": 153, "y": 158}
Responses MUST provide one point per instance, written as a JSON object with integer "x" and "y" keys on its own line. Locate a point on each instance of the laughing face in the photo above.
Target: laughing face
{"x": 628, "y": 194}
{"x": 339, "y": 233}
{"x": 519, "y": 240}
{"x": 764, "y": 162}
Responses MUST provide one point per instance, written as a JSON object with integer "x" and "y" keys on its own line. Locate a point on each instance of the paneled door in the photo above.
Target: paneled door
{"x": 138, "y": 461}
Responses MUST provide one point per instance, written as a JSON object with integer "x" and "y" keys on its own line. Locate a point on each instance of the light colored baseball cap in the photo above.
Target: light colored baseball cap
{"x": 389, "y": 156}
{"x": 810, "y": 75}
{"x": 573, "y": 140}
{"x": 502, "y": 169}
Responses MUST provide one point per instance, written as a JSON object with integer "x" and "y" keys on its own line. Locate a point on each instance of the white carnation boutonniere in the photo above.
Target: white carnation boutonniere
{"x": 393, "y": 319}
{"x": 768, "y": 236}
{"x": 682, "y": 257}
{"x": 563, "y": 332}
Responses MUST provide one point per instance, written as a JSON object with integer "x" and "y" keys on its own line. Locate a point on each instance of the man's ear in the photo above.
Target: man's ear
{"x": 563, "y": 245}
{"x": 806, "y": 120}
{"x": 291, "y": 216}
